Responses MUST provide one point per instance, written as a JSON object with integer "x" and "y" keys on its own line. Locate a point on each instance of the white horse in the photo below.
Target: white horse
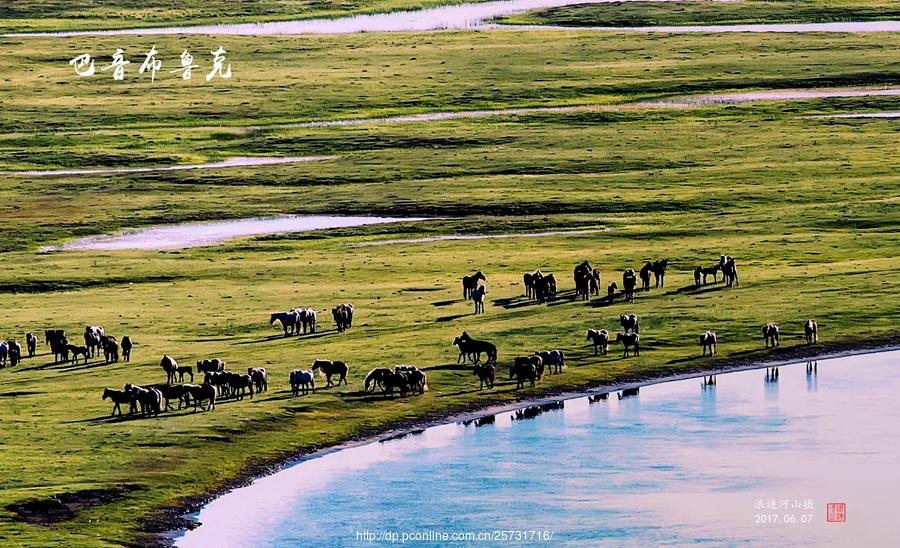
{"x": 302, "y": 379}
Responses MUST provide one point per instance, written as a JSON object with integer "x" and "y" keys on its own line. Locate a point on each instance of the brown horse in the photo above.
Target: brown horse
{"x": 770, "y": 332}
{"x": 708, "y": 341}
{"x": 600, "y": 339}
{"x": 811, "y": 329}
{"x": 629, "y": 340}
{"x": 329, "y": 368}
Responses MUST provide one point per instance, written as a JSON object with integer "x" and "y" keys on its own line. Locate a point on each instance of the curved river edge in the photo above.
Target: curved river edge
{"x": 167, "y": 524}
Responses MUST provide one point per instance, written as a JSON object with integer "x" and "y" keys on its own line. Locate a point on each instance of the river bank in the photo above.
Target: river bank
{"x": 164, "y": 528}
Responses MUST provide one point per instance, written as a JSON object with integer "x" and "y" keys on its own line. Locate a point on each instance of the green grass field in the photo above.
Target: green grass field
{"x": 808, "y": 205}
{"x": 743, "y": 12}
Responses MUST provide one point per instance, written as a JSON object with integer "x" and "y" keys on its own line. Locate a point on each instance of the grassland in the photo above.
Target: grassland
{"x": 808, "y": 205}
{"x": 743, "y": 12}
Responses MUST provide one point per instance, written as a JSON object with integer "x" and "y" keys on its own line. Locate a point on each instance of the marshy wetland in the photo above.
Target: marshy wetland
{"x": 806, "y": 202}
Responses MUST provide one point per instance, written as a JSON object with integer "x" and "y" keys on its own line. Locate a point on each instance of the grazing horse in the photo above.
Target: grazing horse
{"x": 260, "y": 378}
{"x": 534, "y": 360}
{"x": 554, "y": 360}
{"x": 485, "y": 374}
{"x": 288, "y": 321}
{"x": 594, "y": 282}
{"x": 15, "y": 352}
{"x": 770, "y": 332}
{"x": 600, "y": 339}
{"x": 31, "y": 343}
{"x": 708, "y": 340}
{"x": 469, "y": 283}
{"x": 56, "y": 339}
{"x": 523, "y": 372}
{"x": 531, "y": 280}
{"x": 210, "y": 366}
{"x": 329, "y": 368}
{"x": 306, "y": 317}
{"x": 704, "y": 272}
{"x": 183, "y": 370}
{"x": 811, "y": 329}
{"x": 110, "y": 348}
{"x": 583, "y": 274}
{"x": 659, "y": 271}
{"x": 76, "y": 351}
{"x": 171, "y": 392}
{"x": 545, "y": 288}
{"x": 469, "y": 346}
{"x": 118, "y": 397}
{"x": 4, "y": 353}
{"x": 219, "y": 381}
{"x": 200, "y": 393}
{"x": 629, "y": 322}
{"x": 478, "y": 298}
{"x": 611, "y": 292}
{"x": 645, "y": 276}
{"x": 416, "y": 381}
{"x": 629, "y": 340}
{"x": 376, "y": 377}
{"x": 343, "y": 316}
{"x": 395, "y": 379}
{"x": 729, "y": 270}
{"x": 238, "y": 385}
{"x": 302, "y": 380}
{"x": 170, "y": 366}
{"x": 150, "y": 399}
{"x": 127, "y": 344}
{"x": 629, "y": 281}
{"x": 92, "y": 342}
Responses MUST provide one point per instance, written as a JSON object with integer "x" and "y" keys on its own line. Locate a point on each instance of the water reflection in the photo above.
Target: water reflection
{"x": 670, "y": 466}
{"x": 812, "y": 376}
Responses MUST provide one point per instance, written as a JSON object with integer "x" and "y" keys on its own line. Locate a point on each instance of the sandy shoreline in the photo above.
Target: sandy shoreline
{"x": 169, "y": 523}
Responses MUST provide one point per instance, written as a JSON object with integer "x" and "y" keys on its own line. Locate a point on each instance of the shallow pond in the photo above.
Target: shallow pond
{"x": 678, "y": 463}
{"x": 183, "y": 235}
{"x": 238, "y": 161}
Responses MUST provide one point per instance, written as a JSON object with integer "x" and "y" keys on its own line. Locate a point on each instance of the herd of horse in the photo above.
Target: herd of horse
{"x": 220, "y": 383}
{"x": 95, "y": 341}
{"x": 402, "y": 378}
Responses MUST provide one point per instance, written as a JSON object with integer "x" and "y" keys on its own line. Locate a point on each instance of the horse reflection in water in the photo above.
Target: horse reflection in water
{"x": 708, "y": 396}
{"x": 480, "y": 421}
{"x": 812, "y": 376}
{"x": 535, "y": 410}
{"x": 771, "y": 374}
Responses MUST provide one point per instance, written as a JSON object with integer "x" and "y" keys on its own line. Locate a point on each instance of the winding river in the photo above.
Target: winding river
{"x": 678, "y": 463}
{"x": 467, "y": 16}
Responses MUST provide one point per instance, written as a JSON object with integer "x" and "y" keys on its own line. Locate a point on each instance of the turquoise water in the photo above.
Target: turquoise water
{"x": 677, "y": 464}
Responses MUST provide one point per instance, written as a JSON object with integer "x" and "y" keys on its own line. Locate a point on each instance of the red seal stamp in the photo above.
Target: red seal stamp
{"x": 836, "y": 512}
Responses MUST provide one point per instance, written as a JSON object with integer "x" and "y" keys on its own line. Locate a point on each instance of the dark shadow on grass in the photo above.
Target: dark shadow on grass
{"x": 452, "y": 317}
{"x": 271, "y": 338}
{"x": 446, "y": 303}
{"x": 448, "y": 367}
